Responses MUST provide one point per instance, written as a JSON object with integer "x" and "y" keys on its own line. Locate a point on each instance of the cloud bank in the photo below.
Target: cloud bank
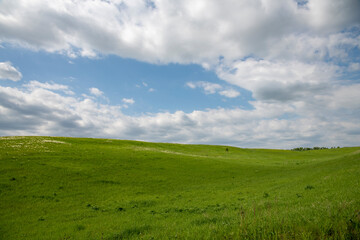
{"x": 41, "y": 110}
{"x": 164, "y": 31}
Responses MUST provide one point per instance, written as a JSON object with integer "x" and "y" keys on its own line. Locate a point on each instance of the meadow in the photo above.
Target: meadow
{"x": 72, "y": 188}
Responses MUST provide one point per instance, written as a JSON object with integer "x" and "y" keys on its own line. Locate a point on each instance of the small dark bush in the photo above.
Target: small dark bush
{"x": 80, "y": 227}
{"x": 93, "y": 207}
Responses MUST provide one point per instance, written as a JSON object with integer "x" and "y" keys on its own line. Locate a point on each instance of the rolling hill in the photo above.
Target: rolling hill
{"x": 78, "y": 188}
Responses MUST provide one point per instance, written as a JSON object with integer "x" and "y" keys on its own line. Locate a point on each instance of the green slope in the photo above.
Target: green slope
{"x": 71, "y": 188}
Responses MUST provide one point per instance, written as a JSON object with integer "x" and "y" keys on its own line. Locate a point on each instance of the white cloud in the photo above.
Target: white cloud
{"x": 9, "y": 72}
{"x": 230, "y": 93}
{"x": 128, "y": 100}
{"x": 278, "y": 80}
{"x": 49, "y": 86}
{"x": 96, "y": 92}
{"x": 212, "y": 88}
{"x": 319, "y": 120}
{"x": 191, "y": 85}
{"x": 347, "y": 97}
{"x": 208, "y": 87}
{"x": 354, "y": 67}
{"x": 146, "y": 86}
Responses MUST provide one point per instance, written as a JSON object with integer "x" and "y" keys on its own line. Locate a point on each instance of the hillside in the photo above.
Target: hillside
{"x": 72, "y": 188}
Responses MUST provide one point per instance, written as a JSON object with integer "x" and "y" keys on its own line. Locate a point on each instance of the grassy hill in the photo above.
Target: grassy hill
{"x": 71, "y": 188}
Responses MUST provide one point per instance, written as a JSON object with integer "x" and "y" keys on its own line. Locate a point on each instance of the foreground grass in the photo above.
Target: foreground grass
{"x": 68, "y": 188}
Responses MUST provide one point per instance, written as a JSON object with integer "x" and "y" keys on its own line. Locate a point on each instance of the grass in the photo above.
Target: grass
{"x": 72, "y": 188}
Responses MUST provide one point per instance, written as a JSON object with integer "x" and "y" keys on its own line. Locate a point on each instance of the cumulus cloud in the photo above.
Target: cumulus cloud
{"x": 230, "y": 93}
{"x": 279, "y": 80}
{"x": 49, "y": 86}
{"x": 36, "y": 110}
{"x": 128, "y": 100}
{"x": 208, "y": 87}
{"x": 316, "y": 121}
{"x": 9, "y": 72}
{"x": 96, "y": 92}
{"x": 211, "y": 88}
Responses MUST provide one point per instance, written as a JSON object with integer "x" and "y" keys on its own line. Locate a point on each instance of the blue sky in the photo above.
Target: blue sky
{"x": 245, "y": 73}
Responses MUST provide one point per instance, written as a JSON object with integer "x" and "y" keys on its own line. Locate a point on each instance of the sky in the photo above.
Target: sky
{"x": 247, "y": 73}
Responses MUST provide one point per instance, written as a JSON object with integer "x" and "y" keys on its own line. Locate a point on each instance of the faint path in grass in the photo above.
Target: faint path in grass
{"x": 355, "y": 152}
{"x": 166, "y": 151}
{"x": 54, "y": 141}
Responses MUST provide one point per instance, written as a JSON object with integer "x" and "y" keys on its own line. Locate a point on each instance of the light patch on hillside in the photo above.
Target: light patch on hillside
{"x": 165, "y": 151}
{"x": 54, "y": 141}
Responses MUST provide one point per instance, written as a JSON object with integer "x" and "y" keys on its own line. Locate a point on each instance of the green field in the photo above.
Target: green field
{"x": 72, "y": 188}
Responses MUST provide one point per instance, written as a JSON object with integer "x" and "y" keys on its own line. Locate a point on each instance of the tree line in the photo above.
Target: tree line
{"x": 314, "y": 148}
